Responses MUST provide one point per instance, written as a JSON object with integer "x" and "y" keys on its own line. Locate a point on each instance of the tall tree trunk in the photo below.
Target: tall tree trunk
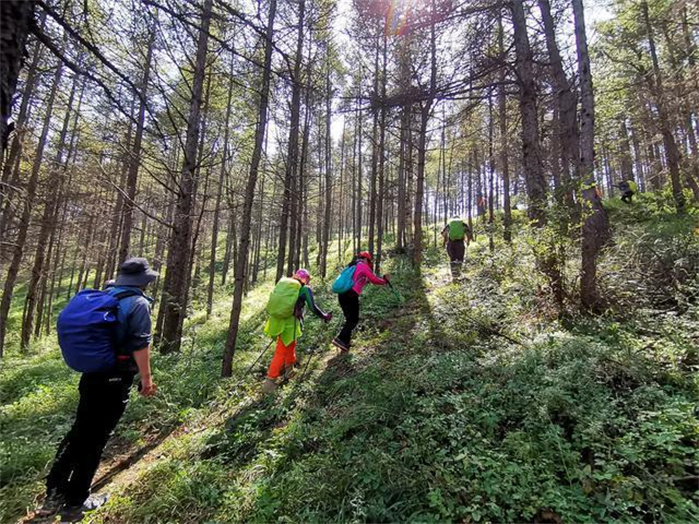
{"x": 533, "y": 168}
{"x": 595, "y": 228}
{"x": 219, "y": 193}
{"x": 16, "y": 19}
{"x": 293, "y": 145}
{"x": 672, "y": 154}
{"x": 359, "y": 176}
{"x": 135, "y": 156}
{"x": 566, "y": 105}
{"x": 374, "y": 154}
{"x": 504, "y": 146}
{"x": 11, "y": 165}
{"x": 227, "y": 365}
{"x": 425, "y": 109}
{"x": 491, "y": 175}
{"x": 178, "y": 268}
{"x": 48, "y": 223}
{"x": 328, "y": 171}
{"x": 382, "y": 159}
{"x": 25, "y": 217}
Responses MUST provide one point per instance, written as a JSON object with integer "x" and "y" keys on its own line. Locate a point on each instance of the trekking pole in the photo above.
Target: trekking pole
{"x": 247, "y": 371}
{"x": 398, "y": 296}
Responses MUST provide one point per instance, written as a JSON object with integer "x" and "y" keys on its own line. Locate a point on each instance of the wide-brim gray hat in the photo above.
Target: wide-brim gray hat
{"x": 135, "y": 272}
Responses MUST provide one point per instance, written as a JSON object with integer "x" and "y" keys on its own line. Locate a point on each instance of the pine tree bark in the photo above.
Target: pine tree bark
{"x": 52, "y": 203}
{"x": 135, "y": 155}
{"x": 16, "y": 19}
{"x": 504, "y": 146}
{"x": 179, "y": 255}
{"x": 382, "y": 159}
{"x": 566, "y": 104}
{"x": 219, "y": 194}
{"x": 234, "y": 324}
{"x": 25, "y": 217}
{"x": 425, "y": 110}
{"x": 533, "y": 168}
{"x": 292, "y": 149}
{"x": 328, "y": 171}
{"x": 595, "y": 230}
{"x": 10, "y": 166}
{"x": 672, "y": 154}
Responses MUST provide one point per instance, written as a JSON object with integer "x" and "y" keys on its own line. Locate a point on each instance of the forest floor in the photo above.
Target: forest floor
{"x": 471, "y": 401}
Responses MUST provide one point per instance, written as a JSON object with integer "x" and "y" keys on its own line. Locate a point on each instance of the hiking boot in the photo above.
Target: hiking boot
{"x": 52, "y": 505}
{"x": 289, "y": 372}
{"x": 344, "y": 348}
{"x": 269, "y": 385}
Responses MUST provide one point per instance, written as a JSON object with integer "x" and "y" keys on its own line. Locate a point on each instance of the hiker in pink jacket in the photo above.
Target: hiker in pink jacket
{"x": 349, "y": 301}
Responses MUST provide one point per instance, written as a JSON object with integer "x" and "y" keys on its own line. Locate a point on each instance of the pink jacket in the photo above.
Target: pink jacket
{"x": 363, "y": 275}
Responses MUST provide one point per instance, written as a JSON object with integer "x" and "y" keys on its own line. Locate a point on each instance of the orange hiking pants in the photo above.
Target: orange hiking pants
{"x": 284, "y": 356}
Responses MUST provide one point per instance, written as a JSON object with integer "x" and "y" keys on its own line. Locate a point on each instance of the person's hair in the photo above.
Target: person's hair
{"x": 354, "y": 261}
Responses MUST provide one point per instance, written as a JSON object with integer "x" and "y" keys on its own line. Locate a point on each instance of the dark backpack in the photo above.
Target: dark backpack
{"x": 87, "y": 330}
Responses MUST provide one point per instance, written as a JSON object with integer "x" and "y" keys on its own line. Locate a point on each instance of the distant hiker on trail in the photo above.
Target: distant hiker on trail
{"x": 349, "y": 285}
{"x": 628, "y": 188}
{"x": 106, "y": 335}
{"x": 285, "y": 323}
{"x": 454, "y": 234}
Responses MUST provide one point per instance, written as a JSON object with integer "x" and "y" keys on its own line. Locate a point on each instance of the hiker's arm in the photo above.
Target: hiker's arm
{"x": 142, "y": 358}
{"x": 138, "y": 341}
{"x": 375, "y": 279}
{"x": 311, "y": 303}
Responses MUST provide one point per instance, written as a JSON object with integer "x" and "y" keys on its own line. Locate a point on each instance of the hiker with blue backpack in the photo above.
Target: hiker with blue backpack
{"x": 105, "y": 335}
{"x": 455, "y": 233}
{"x": 285, "y": 323}
{"x": 349, "y": 286}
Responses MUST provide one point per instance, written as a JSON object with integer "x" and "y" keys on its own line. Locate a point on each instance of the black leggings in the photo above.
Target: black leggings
{"x": 349, "y": 302}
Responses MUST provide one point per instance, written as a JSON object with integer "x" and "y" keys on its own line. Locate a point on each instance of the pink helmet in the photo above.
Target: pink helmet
{"x": 303, "y": 275}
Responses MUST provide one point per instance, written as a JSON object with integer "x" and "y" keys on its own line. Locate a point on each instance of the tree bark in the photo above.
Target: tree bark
{"x": 16, "y": 19}
{"x": 595, "y": 230}
{"x": 178, "y": 264}
{"x": 219, "y": 194}
{"x": 293, "y": 147}
{"x": 135, "y": 156}
{"x": 25, "y": 217}
{"x": 48, "y": 223}
{"x": 566, "y": 105}
{"x": 227, "y": 365}
{"x": 672, "y": 154}
{"x": 533, "y": 168}
{"x": 504, "y": 146}
{"x": 425, "y": 109}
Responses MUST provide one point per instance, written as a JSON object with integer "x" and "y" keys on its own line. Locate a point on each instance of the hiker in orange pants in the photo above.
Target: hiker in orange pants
{"x": 285, "y": 323}
{"x": 283, "y": 360}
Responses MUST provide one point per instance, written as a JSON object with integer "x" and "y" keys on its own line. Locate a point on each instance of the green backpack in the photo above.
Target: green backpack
{"x": 282, "y": 301}
{"x": 457, "y": 231}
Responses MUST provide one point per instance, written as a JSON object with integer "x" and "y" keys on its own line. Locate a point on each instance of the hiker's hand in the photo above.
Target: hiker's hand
{"x": 387, "y": 277}
{"x": 148, "y": 387}
{"x": 328, "y": 317}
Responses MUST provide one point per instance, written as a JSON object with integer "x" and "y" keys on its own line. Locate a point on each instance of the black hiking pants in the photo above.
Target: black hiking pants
{"x": 626, "y": 196}
{"x": 349, "y": 302}
{"x": 103, "y": 399}
{"x": 456, "y": 251}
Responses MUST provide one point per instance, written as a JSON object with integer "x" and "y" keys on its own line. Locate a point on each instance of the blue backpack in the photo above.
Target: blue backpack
{"x": 345, "y": 280}
{"x": 87, "y": 330}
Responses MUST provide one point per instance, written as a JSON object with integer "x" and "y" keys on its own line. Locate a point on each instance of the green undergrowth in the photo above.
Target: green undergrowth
{"x": 459, "y": 403}
{"x": 462, "y": 401}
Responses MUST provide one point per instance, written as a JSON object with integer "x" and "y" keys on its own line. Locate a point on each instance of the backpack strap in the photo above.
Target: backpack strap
{"x": 125, "y": 294}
